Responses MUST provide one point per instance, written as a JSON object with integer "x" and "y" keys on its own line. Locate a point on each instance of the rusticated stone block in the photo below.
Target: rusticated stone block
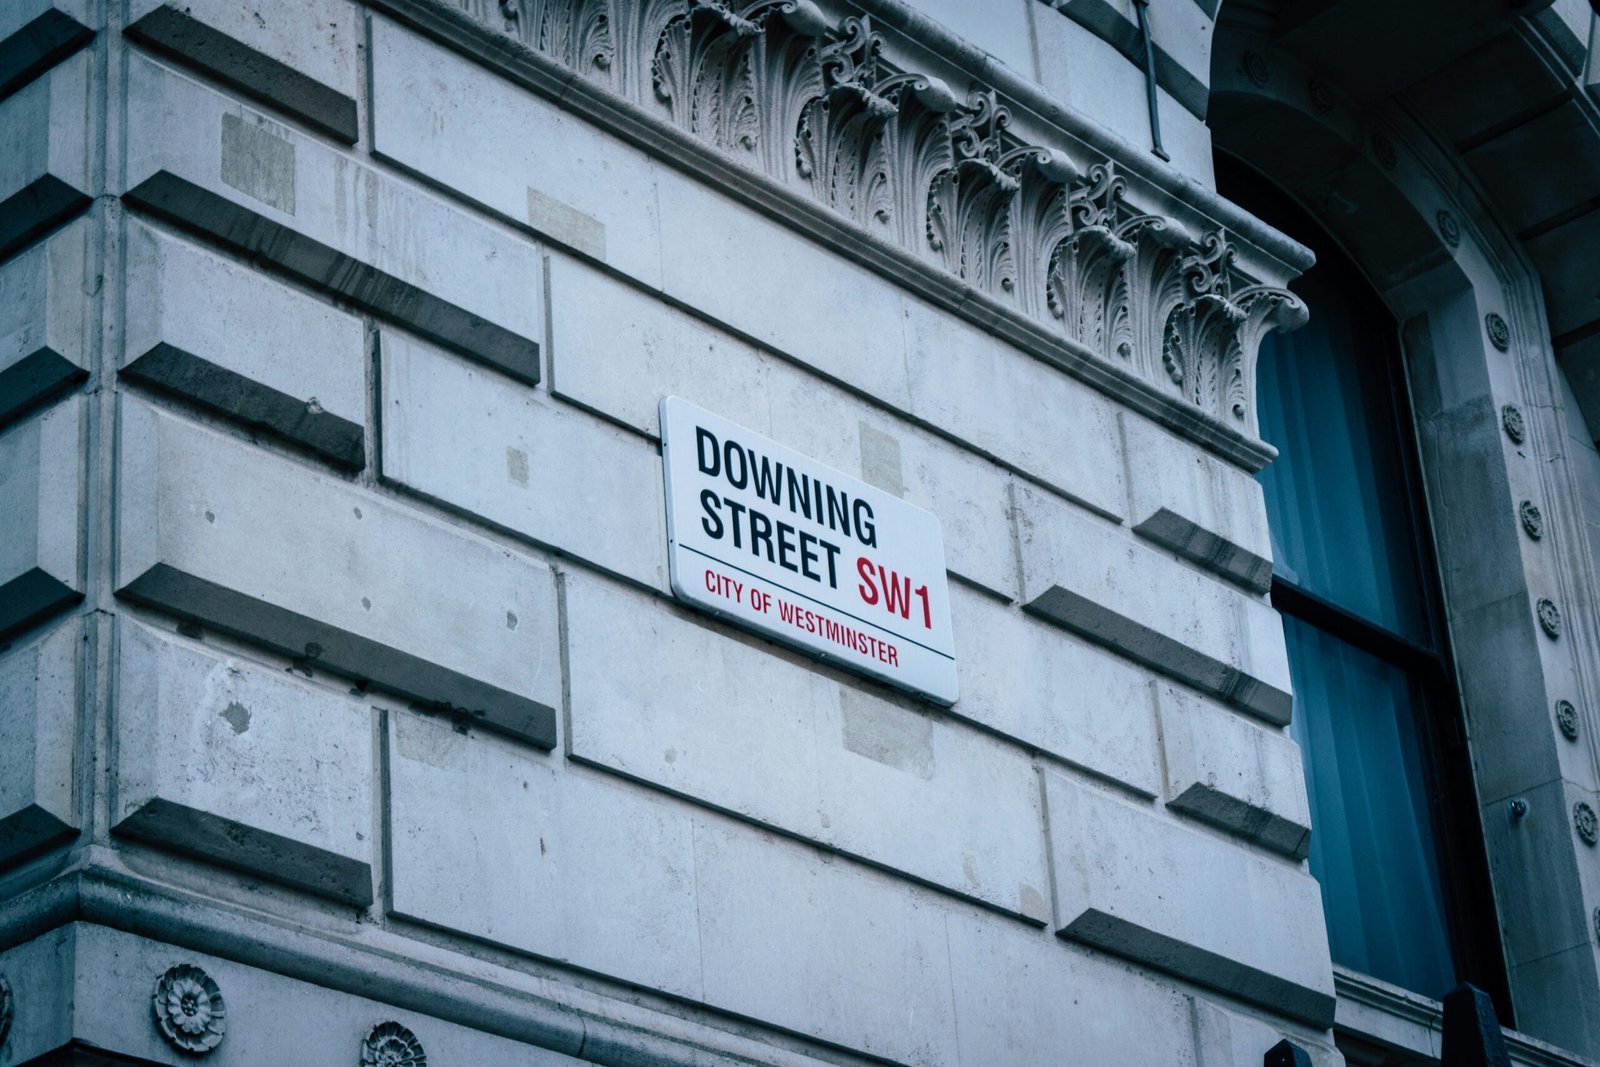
{"x": 36, "y": 34}
{"x": 500, "y": 844}
{"x": 237, "y": 764}
{"x": 1008, "y": 405}
{"x": 1024, "y": 1001}
{"x": 619, "y": 351}
{"x": 41, "y": 540}
{"x": 299, "y": 56}
{"x": 242, "y": 344}
{"x": 767, "y": 282}
{"x": 1130, "y": 882}
{"x": 44, "y": 153}
{"x": 213, "y": 530}
{"x": 741, "y": 729}
{"x": 45, "y": 319}
{"x": 205, "y": 162}
{"x": 465, "y": 436}
{"x": 1092, "y": 578}
{"x": 39, "y": 694}
{"x": 828, "y": 949}
{"x": 1200, "y": 507}
{"x": 517, "y": 154}
{"x": 1234, "y": 774}
{"x": 1055, "y": 691}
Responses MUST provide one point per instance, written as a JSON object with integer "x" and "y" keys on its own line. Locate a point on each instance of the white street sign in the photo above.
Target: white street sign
{"x": 797, "y": 551}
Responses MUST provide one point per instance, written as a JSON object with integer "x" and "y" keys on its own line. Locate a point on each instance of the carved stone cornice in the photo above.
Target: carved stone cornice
{"x": 1041, "y": 242}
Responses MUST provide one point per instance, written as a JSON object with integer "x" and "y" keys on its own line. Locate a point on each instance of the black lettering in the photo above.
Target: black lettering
{"x": 760, "y": 533}
{"x": 702, "y": 437}
{"x": 737, "y": 509}
{"x": 833, "y": 554}
{"x": 729, "y": 450}
{"x": 808, "y": 556}
{"x": 838, "y": 511}
{"x": 712, "y": 522}
{"x": 866, "y": 529}
{"x": 786, "y": 547}
{"x": 799, "y": 493}
{"x": 766, "y": 485}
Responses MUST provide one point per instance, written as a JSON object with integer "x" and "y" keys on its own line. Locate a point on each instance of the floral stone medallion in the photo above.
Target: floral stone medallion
{"x": 189, "y": 1009}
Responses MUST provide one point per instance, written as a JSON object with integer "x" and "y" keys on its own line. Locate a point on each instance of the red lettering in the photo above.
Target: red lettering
{"x": 896, "y": 592}
{"x": 869, "y": 592}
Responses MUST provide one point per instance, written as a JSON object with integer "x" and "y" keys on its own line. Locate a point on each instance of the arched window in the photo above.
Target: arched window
{"x": 1396, "y": 843}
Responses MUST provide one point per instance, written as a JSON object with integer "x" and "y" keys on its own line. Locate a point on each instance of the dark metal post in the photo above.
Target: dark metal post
{"x": 1472, "y": 1036}
{"x": 1284, "y": 1054}
{"x": 1139, "y": 7}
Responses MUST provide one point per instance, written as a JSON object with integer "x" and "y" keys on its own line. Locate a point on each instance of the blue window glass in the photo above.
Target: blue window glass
{"x": 1396, "y": 844}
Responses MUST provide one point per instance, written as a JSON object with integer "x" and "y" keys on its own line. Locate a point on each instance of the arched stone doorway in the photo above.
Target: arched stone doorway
{"x": 1392, "y": 129}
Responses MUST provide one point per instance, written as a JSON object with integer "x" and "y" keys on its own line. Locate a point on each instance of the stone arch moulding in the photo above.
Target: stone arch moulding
{"x": 1491, "y": 427}
{"x": 1149, "y": 296}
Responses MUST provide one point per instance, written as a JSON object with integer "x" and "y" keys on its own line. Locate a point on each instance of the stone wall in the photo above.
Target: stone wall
{"x": 341, "y": 659}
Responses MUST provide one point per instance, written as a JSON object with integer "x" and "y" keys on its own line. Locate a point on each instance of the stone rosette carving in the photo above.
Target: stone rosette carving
{"x": 1449, "y": 228}
{"x": 1549, "y": 617}
{"x": 189, "y": 1009}
{"x": 1256, "y": 68}
{"x": 389, "y": 1044}
{"x": 1585, "y": 823}
{"x": 7, "y": 1009}
{"x": 1511, "y": 420}
{"x": 1532, "y": 519}
{"x": 812, "y": 102}
{"x": 1383, "y": 151}
{"x": 1322, "y": 97}
{"x": 1499, "y": 333}
{"x": 1567, "y": 719}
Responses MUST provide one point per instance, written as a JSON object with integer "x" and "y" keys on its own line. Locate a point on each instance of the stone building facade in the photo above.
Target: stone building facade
{"x": 348, "y": 713}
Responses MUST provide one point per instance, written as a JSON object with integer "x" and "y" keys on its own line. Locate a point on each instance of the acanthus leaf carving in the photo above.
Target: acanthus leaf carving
{"x": 811, "y": 100}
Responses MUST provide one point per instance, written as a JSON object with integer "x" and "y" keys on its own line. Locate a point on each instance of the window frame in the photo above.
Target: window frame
{"x": 1471, "y": 918}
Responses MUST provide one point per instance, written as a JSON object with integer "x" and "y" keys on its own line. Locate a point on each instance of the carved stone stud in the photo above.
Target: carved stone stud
{"x": 1585, "y": 822}
{"x": 189, "y": 1009}
{"x": 1449, "y": 228}
{"x": 6, "y": 1009}
{"x": 1515, "y": 428}
{"x": 1321, "y": 96}
{"x": 1567, "y": 719}
{"x": 1255, "y": 68}
{"x": 1499, "y": 332}
{"x": 392, "y": 1045}
{"x": 1383, "y": 151}
{"x": 1549, "y": 617}
{"x": 1532, "y": 519}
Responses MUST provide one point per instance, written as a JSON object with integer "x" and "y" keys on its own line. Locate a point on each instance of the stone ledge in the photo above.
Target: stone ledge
{"x": 220, "y": 759}
{"x": 226, "y": 352}
{"x": 344, "y": 580}
{"x": 222, "y": 40}
{"x": 45, "y": 320}
{"x": 1095, "y": 580}
{"x": 1144, "y": 887}
{"x": 44, "y": 168}
{"x": 37, "y": 34}
{"x": 39, "y": 698}
{"x": 41, "y": 536}
{"x": 258, "y": 188}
